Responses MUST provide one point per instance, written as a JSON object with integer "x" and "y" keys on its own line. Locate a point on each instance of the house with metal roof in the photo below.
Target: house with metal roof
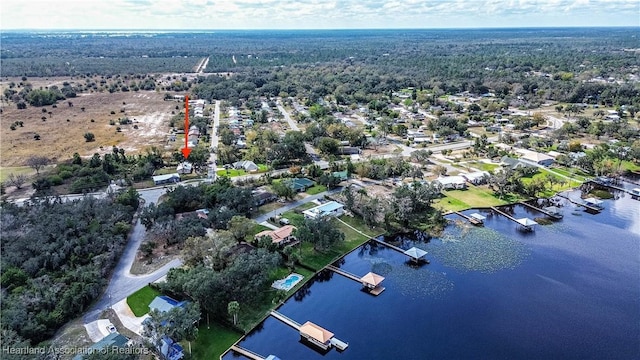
{"x": 332, "y": 208}
{"x": 166, "y": 179}
{"x": 299, "y": 184}
{"x": 452, "y": 182}
{"x": 165, "y": 303}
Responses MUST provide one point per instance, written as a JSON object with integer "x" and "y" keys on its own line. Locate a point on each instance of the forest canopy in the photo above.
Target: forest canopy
{"x": 56, "y": 259}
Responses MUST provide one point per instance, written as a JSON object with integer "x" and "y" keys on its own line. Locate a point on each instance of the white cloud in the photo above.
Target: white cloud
{"x": 247, "y": 14}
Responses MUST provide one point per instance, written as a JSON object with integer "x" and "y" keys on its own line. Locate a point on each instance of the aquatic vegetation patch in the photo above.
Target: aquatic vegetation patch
{"x": 478, "y": 249}
{"x": 419, "y": 283}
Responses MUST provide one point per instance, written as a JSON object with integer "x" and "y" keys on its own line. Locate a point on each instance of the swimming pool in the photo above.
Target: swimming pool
{"x": 288, "y": 282}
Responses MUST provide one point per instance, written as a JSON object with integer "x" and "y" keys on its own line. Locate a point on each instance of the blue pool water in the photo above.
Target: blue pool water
{"x": 288, "y": 282}
{"x": 570, "y": 290}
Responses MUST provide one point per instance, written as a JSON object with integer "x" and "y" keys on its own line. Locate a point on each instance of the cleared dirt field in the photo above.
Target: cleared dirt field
{"x": 62, "y": 132}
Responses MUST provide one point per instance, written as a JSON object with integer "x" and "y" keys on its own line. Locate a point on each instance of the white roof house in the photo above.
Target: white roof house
{"x": 476, "y": 177}
{"x": 184, "y": 168}
{"x": 536, "y": 157}
{"x": 331, "y": 208}
{"x": 452, "y": 182}
{"x": 166, "y": 179}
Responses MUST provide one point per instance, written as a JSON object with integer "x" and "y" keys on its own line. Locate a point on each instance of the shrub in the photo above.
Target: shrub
{"x": 55, "y": 180}
{"x": 89, "y": 137}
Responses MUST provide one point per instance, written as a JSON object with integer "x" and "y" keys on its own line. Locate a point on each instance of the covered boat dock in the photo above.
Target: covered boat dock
{"x": 370, "y": 282}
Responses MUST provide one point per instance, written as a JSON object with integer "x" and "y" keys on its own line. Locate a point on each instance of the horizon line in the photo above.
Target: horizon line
{"x": 318, "y": 29}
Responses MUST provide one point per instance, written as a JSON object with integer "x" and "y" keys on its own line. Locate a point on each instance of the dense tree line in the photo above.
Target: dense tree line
{"x": 56, "y": 258}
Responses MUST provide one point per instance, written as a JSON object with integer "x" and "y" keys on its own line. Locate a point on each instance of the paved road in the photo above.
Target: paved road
{"x": 214, "y": 142}
{"x": 122, "y": 282}
{"x": 283, "y": 111}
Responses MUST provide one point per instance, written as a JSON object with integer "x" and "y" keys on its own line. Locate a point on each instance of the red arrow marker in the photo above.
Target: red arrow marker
{"x": 186, "y": 151}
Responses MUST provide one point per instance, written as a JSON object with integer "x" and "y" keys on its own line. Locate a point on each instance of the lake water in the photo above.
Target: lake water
{"x": 570, "y": 290}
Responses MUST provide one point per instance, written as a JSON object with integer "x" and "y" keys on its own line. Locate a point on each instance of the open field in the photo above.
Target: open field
{"x": 456, "y": 200}
{"x": 62, "y": 131}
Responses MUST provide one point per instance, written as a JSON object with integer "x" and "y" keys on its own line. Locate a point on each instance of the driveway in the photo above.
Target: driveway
{"x": 122, "y": 282}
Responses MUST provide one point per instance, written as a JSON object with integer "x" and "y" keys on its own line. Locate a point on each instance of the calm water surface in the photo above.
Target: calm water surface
{"x": 570, "y": 290}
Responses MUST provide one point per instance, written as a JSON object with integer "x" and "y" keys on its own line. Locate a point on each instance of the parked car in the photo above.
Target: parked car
{"x": 111, "y": 328}
{"x": 284, "y": 221}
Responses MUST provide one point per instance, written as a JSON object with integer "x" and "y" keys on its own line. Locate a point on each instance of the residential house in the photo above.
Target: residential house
{"x": 263, "y": 197}
{"x": 109, "y": 342}
{"x": 512, "y": 163}
{"x": 342, "y": 175}
{"x": 348, "y": 150}
{"x": 246, "y": 165}
{"x": 170, "y": 349}
{"x": 331, "y": 208}
{"x": 536, "y": 157}
{"x": 452, "y": 182}
{"x": 299, "y": 184}
{"x": 477, "y": 177}
{"x": 184, "y": 168}
{"x": 280, "y": 236}
{"x": 166, "y": 179}
{"x": 165, "y": 303}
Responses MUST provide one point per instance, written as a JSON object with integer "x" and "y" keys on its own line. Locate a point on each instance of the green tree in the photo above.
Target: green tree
{"x": 320, "y": 232}
{"x": 239, "y": 226}
{"x": 233, "y": 308}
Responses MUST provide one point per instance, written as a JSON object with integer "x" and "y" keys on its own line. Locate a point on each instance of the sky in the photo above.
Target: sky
{"x": 313, "y": 14}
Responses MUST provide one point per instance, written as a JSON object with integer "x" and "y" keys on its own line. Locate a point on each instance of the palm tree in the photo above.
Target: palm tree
{"x": 234, "y": 308}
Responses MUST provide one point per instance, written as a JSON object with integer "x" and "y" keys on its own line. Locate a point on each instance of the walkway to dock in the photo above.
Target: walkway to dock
{"x": 505, "y": 214}
{"x": 247, "y": 353}
{"x": 612, "y": 187}
{"x": 344, "y": 273}
{"x": 540, "y": 210}
{"x": 592, "y": 208}
{"x": 285, "y": 319}
{"x": 389, "y": 245}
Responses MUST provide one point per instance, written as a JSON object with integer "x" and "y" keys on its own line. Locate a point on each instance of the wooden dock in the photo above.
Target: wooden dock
{"x": 470, "y": 219}
{"x": 614, "y": 187}
{"x": 346, "y": 274}
{"x": 389, "y": 245}
{"x": 553, "y": 216}
{"x": 285, "y": 319}
{"x": 370, "y": 282}
{"x": 247, "y": 353}
{"x": 505, "y": 214}
{"x": 588, "y": 207}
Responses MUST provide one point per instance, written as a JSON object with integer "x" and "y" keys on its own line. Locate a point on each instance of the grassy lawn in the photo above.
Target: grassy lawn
{"x": 231, "y": 172}
{"x": 16, "y": 170}
{"x": 630, "y": 166}
{"x": 352, "y": 240}
{"x": 316, "y": 189}
{"x": 295, "y": 218}
{"x": 267, "y": 208}
{"x": 212, "y": 341}
{"x": 577, "y": 173}
{"x": 483, "y": 166}
{"x": 139, "y": 301}
{"x": 456, "y": 200}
